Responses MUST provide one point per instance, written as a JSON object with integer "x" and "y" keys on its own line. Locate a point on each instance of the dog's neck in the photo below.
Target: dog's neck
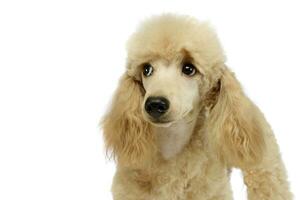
{"x": 172, "y": 139}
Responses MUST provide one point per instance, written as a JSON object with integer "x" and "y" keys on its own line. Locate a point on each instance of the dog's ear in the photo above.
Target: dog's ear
{"x": 127, "y": 135}
{"x": 234, "y": 127}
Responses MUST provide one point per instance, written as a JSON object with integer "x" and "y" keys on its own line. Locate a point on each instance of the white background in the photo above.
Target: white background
{"x": 59, "y": 65}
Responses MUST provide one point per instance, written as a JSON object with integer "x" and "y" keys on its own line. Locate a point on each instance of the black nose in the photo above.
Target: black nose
{"x": 156, "y": 106}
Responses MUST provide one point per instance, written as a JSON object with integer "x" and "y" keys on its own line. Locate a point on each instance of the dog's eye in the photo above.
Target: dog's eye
{"x": 148, "y": 70}
{"x": 189, "y": 69}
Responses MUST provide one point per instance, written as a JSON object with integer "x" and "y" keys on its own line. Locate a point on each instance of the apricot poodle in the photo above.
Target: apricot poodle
{"x": 179, "y": 121}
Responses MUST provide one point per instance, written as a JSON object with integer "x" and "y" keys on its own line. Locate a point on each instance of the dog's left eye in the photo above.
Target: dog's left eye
{"x": 189, "y": 69}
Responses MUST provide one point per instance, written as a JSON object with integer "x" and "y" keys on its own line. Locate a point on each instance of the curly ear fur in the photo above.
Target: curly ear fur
{"x": 234, "y": 127}
{"x": 127, "y": 135}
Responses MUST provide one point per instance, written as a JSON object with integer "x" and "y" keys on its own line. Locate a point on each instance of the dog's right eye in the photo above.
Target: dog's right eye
{"x": 148, "y": 70}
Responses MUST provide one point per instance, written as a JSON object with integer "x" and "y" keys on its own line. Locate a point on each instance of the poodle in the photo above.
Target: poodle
{"x": 179, "y": 121}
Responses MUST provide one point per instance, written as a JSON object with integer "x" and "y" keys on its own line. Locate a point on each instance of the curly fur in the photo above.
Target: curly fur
{"x": 230, "y": 130}
{"x": 130, "y": 147}
{"x": 234, "y": 126}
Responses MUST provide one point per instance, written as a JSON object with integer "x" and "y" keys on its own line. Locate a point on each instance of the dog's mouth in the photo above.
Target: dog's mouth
{"x": 159, "y": 122}
{"x": 166, "y": 120}
{"x": 162, "y": 123}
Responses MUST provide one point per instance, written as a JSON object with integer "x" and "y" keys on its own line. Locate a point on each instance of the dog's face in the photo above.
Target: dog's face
{"x": 171, "y": 90}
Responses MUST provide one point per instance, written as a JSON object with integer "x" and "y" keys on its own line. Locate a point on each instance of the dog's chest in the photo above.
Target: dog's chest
{"x": 184, "y": 170}
{"x": 177, "y": 178}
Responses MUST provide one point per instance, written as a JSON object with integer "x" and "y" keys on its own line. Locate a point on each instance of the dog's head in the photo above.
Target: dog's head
{"x": 175, "y": 66}
{"x": 176, "y": 60}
